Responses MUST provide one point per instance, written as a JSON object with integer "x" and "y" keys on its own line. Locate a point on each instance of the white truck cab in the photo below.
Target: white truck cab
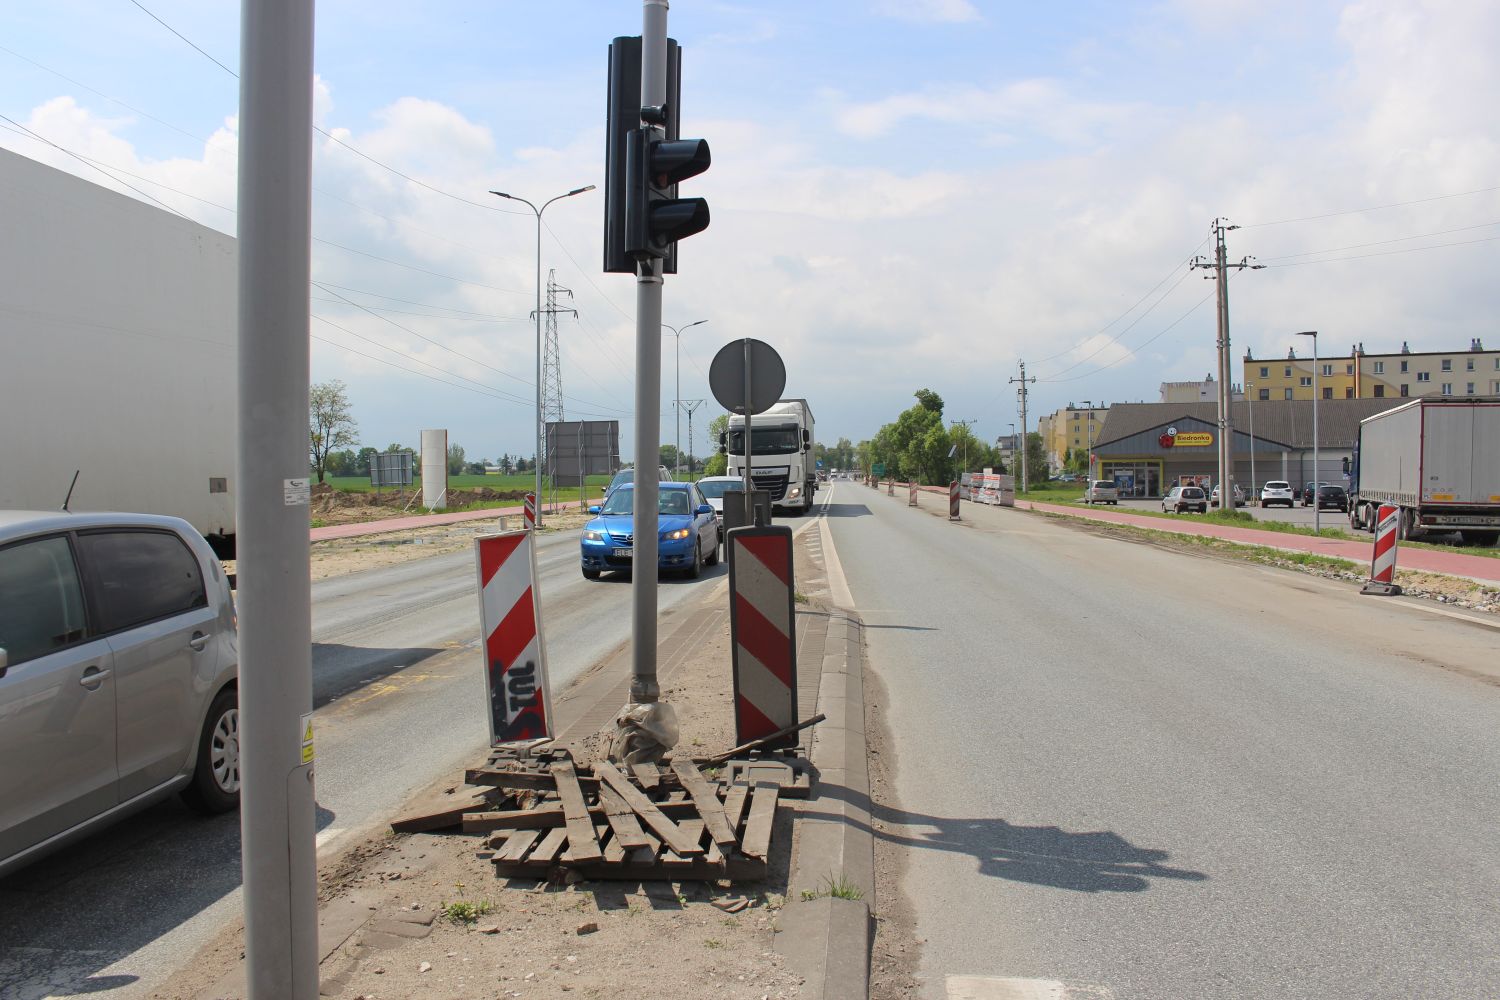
{"x": 781, "y": 453}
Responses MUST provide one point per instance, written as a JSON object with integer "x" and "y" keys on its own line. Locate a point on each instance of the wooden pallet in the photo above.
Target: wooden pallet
{"x": 607, "y": 825}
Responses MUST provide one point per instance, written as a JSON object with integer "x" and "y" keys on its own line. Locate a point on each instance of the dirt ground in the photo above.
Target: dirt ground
{"x": 896, "y": 952}
{"x": 672, "y": 941}
{"x": 331, "y": 506}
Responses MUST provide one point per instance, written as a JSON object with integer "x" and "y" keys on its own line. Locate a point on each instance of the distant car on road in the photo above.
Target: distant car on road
{"x": 685, "y": 523}
{"x": 1276, "y": 491}
{"x": 1185, "y": 498}
{"x": 628, "y": 476}
{"x": 1332, "y": 498}
{"x": 1307, "y": 493}
{"x": 117, "y": 675}
{"x": 713, "y": 489}
{"x": 1239, "y": 496}
{"x": 1102, "y": 491}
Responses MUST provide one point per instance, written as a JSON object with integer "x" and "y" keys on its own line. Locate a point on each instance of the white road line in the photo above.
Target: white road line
{"x": 1007, "y": 988}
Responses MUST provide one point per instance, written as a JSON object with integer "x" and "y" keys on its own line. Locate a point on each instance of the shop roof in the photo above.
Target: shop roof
{"x": 1287, "y": 422}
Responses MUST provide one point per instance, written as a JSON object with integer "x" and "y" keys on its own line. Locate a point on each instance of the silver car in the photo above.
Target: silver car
{"x": 117, "y": 675}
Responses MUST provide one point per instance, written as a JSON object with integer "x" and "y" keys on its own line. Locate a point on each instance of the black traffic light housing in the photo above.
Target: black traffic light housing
{"x": 636, "y": 203}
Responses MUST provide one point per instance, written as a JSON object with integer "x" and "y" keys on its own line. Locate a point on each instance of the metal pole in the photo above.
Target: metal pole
{"x": 277, "y": 814}
{"x": 648, "y": 289}
{"x": 1250, "y": 409}
{"x": 751, "y": 511}
{"x": 1317, "y": 519}
{"x": 677, "y": 408}
{"x": 1226, "y": 488}
{"x": 536, "y": 456}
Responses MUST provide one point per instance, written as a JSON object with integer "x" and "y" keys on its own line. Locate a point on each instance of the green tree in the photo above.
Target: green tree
{"x": 455, "y": 459}
{"x": 362, "y": 461}
{"x": 330, "y": 422}
{"x": 1036, "y": 460}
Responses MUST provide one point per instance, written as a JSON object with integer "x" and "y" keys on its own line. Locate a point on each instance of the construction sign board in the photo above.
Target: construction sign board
{"x": 763, "y": 632}
{"x": 515, "y": 655}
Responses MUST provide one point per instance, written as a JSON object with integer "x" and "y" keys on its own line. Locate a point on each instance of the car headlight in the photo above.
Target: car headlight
{"x": 672, "y": 536}
{"x": 590, "y": 535}
{"x": 796, "y": 491}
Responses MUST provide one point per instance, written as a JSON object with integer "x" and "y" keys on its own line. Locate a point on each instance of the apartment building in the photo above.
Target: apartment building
{"x": 1069, "y": 429}
{"x": 1360, "y": 375}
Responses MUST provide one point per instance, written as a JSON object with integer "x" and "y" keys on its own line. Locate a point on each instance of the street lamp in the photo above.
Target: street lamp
{"x": 537, "y": 440}
{"x": 1250, "y": 408}
{"x": 1090, "y": 404}
{"x": 1317, "y": 521}
{"x": 677, "y": 401}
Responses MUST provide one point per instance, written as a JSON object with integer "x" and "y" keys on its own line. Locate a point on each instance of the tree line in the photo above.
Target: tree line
{"x": 918, "y": 445}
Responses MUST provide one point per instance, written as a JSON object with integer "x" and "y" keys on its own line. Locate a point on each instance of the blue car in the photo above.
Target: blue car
{"x": 687, "y": 531}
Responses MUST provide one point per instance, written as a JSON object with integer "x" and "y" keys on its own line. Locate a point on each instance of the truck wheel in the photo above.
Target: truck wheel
{"x": 1484, "y": 539}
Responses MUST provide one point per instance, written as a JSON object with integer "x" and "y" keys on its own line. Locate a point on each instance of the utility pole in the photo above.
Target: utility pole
{"x": 1220, "y": 267}
{"x": 691, "y": 405}
{"x": 1025, "y": 474}
{"x": 966, "y": 424}
{"x": 552, "y": 399}
{"x": 677, "y": 394}
{"x": 1090, "y": 404}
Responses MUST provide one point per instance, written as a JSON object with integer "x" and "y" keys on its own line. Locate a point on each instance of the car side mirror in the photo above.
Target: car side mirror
{"x": 704, "y": 508}
{"x": 594, "y": 510}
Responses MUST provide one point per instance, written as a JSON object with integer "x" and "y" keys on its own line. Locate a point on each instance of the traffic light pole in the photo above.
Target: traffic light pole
{"x": 277, "y": 815}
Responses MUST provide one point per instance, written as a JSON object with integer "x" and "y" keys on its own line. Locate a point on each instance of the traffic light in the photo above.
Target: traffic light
{"x": 655, "y": 218}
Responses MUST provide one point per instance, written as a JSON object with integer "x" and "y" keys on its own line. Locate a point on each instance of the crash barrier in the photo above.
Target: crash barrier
{"x": 1382, "y": 582}
{"x": 515, "y": 656}
{"x": 531, "y": 510}
{"x": 953, "y": 501}
{"x": 911, "y": 493}
{"x": 763, "y": 634}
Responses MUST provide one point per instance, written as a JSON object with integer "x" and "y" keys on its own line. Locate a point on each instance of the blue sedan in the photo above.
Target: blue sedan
{"x": 687, "y": 531}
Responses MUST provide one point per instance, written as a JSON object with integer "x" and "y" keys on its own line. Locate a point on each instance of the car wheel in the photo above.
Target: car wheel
{"x": 696, "y": 569}
{"x": 590, "y": 574}
{"x": 215, "y": 787}
{"x": 713, "y": 557}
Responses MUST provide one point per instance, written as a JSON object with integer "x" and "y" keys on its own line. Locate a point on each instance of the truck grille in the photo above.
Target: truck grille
{"x": 775, "y": 483}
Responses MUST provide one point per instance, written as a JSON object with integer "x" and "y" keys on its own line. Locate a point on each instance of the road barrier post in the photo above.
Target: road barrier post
{"x": 911, "y": 493}
{"x": 1382, "y": 582}
{"x": 515, "y": 654}
{"x": 763, "y": 634}
{"x": 530, "y": 510}
{"x": 953, "y": 501}
{"x": 890, "y": 487}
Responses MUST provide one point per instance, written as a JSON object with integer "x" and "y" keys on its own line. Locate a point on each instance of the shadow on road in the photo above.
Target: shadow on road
{"x": 340, "y": 669}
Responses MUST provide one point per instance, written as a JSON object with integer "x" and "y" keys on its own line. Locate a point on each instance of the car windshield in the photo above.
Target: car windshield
{"x": 768, "y": 440}
{"x": 715, "y": 490}
{"x": 622, "y": 477}
{"x": 667, "y": 502}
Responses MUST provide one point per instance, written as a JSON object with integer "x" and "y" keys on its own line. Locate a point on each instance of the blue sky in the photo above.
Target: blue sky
{"x": 905, "y": 194}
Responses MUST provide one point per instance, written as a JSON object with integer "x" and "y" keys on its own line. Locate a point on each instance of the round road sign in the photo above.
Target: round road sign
{"x": 726, "y": 376}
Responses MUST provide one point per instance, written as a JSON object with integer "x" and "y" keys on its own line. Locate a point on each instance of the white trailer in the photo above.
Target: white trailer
{"x": 781, "y": 459}
{"x": 117, "y": 353}
{"x": 1438, "y": 460}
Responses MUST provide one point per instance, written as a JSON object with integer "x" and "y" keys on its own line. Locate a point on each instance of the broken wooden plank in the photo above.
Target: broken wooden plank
{"x": 734, "y": 804}
{"x": 567, "y": 856}
{"x": 553, "y": 842}
{"x": 627, "y": 828}
{"x": 442, "y": 812}
{"x": 546, "y": 817}
{"x": 709, "y": 806}
{"x": 583, "y": 843}
{"x": 720, "y": 758}
{"x": 647, "y": 773}
{"x": 516, "y": 846}
{"x": 757, "y": 842}
{"x": 736, "y": 870}
{"x": 647, "y": 810}
{"x": 690, "y": 828}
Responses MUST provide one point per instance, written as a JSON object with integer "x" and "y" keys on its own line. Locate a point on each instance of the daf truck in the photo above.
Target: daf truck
{"x": 119, "y": 364}
{"x": 1437, "y": 459}
{"x": 781, "y": 453}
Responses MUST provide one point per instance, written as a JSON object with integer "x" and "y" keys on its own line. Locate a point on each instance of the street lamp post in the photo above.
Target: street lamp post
{"x": 1090, "y": 404}
{"x": 1317, "y": 520}
{"x": 537, "y": 440}
{"x": 1250, "y": 409}
{"x": 677, "y": 399}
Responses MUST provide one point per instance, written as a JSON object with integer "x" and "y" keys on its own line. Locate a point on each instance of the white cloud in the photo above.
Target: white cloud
{"x": 924, "y": 11}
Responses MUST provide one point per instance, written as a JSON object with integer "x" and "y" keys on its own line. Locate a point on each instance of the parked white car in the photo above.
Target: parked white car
{"x": 1276, "y": 491}
{"x": 117, "y": 675}
{"x": 1102, "y": 491}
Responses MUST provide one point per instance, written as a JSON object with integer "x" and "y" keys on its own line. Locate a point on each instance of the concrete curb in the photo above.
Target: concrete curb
{"x": 826, "y": 939}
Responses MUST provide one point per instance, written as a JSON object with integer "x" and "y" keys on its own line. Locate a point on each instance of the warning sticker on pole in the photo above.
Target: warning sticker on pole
{"x": 307, "y": 738}
{"x": 296, "y": 492}
{"x": 515, "y": 658}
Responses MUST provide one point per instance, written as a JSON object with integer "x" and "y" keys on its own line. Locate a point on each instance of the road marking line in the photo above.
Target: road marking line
{"x": 838, "y": 584}
{"x": 1010, "y": 988}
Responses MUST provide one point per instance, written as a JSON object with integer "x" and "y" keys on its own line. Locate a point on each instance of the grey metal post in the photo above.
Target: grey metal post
{"x": 1250, "y": 412}
{"x": 753, "y": 511}
{"x": 277, "y": 814}
{"x": 1025, "y": 477}
{"x": 1226, "y": 431}
{"x": 648, "y": 288}
{"x": 1317, "y": 520}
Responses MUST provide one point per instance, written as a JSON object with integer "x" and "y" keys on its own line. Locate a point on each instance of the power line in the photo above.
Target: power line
{"x": 1145, "y": 343}
{"x": 185, "y": 38}
{"x": 1116, "y": 338}
{"x": 1379, "y": 243}
{"x": 40, "y": 138}
{"x": 1372, "y": 208}
{"x": 1388, "y": 253}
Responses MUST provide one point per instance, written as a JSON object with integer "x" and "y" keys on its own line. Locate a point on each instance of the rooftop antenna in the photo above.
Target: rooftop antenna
{"x": 74, "y": 483}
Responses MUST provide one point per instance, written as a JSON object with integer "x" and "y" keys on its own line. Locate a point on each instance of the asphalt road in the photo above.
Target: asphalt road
{"x": 399, "y": 700}
{"x": 1127, "y": 772}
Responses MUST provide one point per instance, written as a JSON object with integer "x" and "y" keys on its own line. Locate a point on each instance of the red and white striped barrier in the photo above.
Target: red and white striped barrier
{"x": 530, "y": 510}
{"x": 911, "y": 493}
{"x": 1382, "y": 582}
{"x": 953, "y": 501}
{"x": 515, "y": 655}
{"x": 762, "y": 630}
